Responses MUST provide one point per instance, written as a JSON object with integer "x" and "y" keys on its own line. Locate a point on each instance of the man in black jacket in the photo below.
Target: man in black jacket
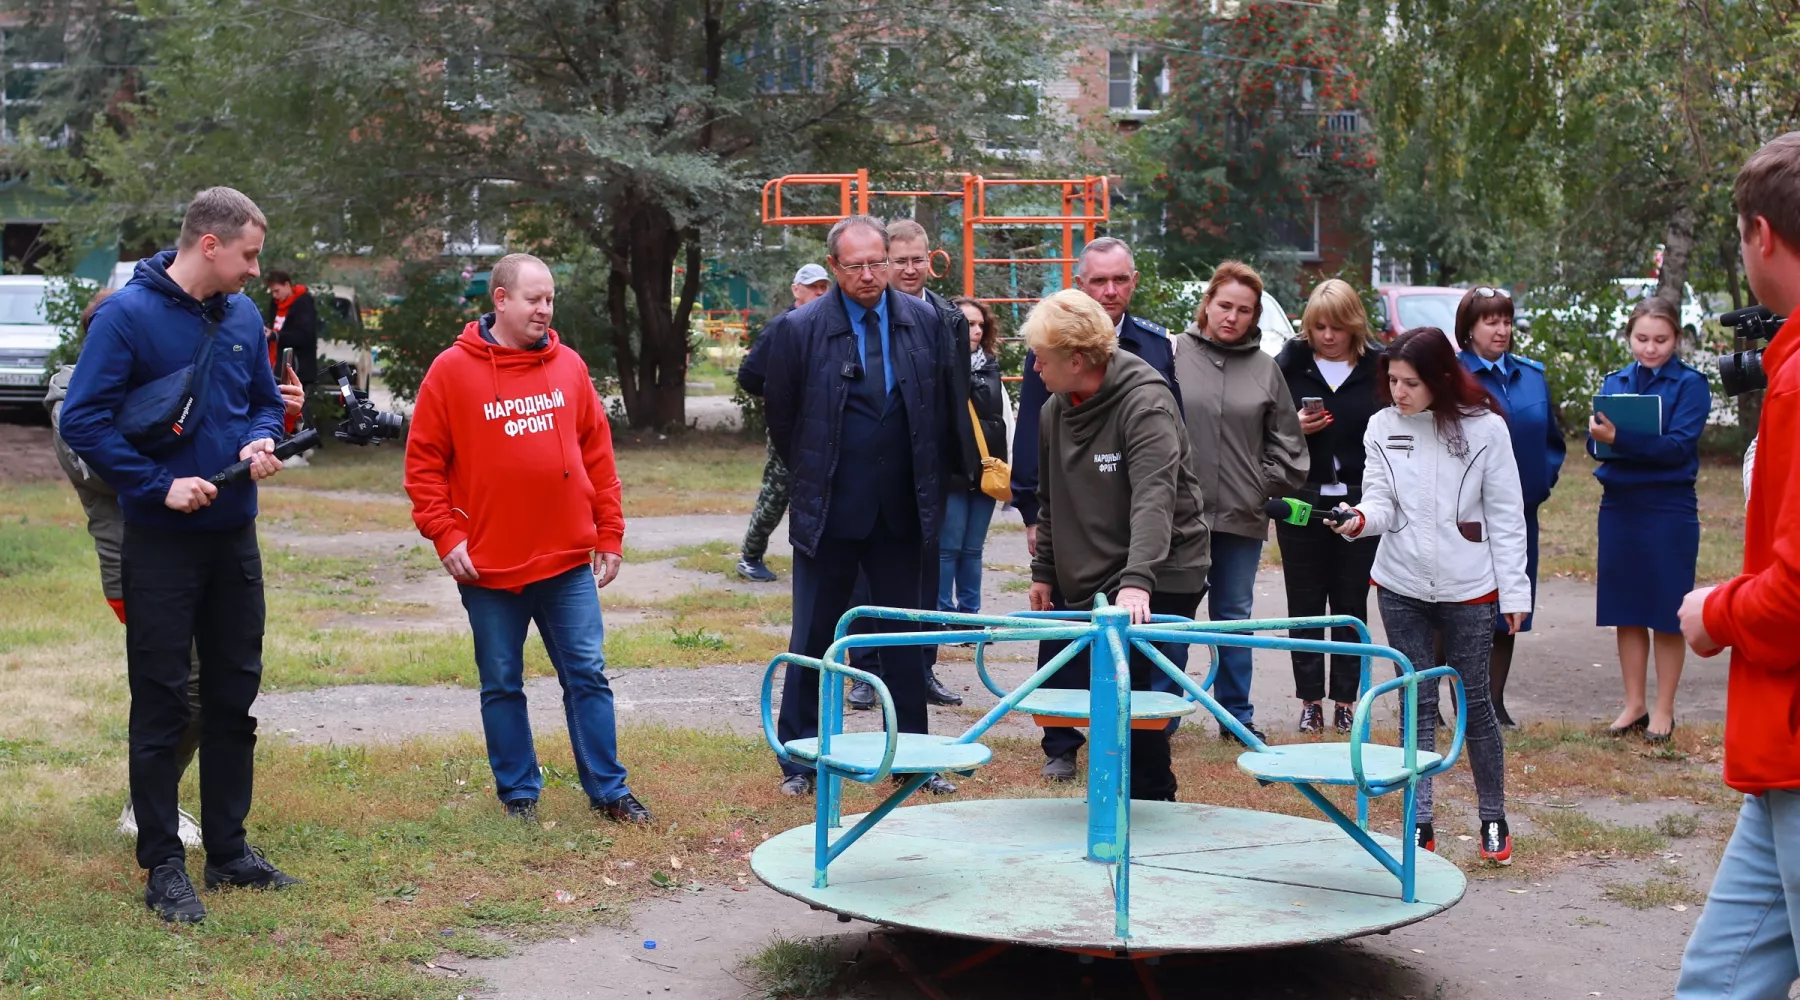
{"x": 859, "y": 404}
{"x": 293, "y": 322}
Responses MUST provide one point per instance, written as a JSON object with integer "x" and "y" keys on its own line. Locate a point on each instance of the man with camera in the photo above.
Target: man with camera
{"x": 510, "y": 469}
{"x": 182, "y": 333}
{"x": 1744, "y": 945}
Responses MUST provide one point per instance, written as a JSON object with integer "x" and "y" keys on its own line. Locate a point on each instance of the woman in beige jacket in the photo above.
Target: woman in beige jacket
{"x": 1247, "y": 446}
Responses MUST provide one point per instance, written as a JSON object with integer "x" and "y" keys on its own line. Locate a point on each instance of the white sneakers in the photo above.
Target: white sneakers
{"x": 188, "y": 829}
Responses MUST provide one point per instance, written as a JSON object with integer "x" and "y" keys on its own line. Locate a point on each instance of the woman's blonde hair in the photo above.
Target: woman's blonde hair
{"x": 1072, "y": 322}
{"x": 1336, "y": 303}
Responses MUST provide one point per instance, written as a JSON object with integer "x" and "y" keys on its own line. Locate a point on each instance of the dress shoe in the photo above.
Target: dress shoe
{"x": 1641, "y": 722}
{"x": 862, "y": 696}
{"x": 936, "y": 693}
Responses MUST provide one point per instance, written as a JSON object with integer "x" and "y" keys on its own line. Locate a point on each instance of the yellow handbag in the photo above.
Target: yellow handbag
{"x": 996, "y": 476}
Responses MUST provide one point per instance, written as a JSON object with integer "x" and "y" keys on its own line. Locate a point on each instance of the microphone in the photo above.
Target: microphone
{"x": 1293, "y": 511}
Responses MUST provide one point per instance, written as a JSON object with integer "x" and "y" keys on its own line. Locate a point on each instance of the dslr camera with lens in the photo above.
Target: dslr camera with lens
{"x": 1742, "y": 371}
{"x": 362, "y": 422}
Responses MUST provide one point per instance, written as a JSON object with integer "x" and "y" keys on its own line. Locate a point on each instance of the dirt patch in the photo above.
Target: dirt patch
{"x": 26, "y": 453}
{"x": 1555, "y": 938}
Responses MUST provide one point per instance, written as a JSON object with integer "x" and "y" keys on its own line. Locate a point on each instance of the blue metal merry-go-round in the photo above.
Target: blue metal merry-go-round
{"x": 1108, "y": 875}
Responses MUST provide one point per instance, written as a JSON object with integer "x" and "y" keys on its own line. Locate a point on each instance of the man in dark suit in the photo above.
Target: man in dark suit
{"x": 857, "y": 394}
{"x": 909, "y": 265}
{"x": 1107, "y": 274}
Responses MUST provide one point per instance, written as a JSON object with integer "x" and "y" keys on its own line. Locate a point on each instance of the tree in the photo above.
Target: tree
{"x": 631, "y": 134}
{"x": 1261, "y": 125}
{"x": 1588, "y": 134}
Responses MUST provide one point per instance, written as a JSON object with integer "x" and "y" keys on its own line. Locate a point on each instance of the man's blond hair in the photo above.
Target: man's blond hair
{"x": 908, "y": 230}
{"x": 1072, "y": 323}
{"x": 221, "y": 212}
{"x": 506, "y": 272}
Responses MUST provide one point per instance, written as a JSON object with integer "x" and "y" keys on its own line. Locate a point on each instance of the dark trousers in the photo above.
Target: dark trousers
{"x": 1324, "y": 570}
{"x": 1151, "y": 775}
{"x": 199, "y": 590}
{"x": 823, "y": 583}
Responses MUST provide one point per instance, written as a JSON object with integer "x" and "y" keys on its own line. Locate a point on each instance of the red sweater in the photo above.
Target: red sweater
{"x": 1756, "y": 613}
{"x": 510, "y": 450}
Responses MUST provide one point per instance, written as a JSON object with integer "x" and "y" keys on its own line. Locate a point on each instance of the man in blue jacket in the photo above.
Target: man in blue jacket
{"x": 192, "y": 570}
{"x": 1108, "y": 275}
{"x": 858, "y": 401}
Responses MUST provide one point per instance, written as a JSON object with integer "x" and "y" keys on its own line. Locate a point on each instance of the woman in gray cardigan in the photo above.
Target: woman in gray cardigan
{"x": 1247, "y": 446}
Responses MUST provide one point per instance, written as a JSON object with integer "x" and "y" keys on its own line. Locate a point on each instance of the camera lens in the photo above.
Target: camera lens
{"x": 388, "y": 425}
{"x": 1742, "y": 372}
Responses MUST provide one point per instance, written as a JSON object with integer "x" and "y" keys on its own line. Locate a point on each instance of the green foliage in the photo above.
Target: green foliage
{"x": 1262, "y": 124}
{"x": 424, "y": 320}
{"x": 796, "y": 969}
{"x": 64, "y": 302}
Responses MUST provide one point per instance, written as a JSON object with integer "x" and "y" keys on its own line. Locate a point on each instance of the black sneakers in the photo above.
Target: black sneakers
{"x": 1312, "y": 717}
{"x": 754, "y": 571}
{"x": 252, "y": 871}
{"x": 169, "y": 894}
{"x": 1496, "y": 842}
{"x": 1425, "y": 837}
{"x": 937, "y": 694}
{"x": 936, "y": 784}
{"x": 525, "y": 809}
{"x": 1341, "y": 718}
{"x": 624, "y": 809}
{"x": 795, "y": 785}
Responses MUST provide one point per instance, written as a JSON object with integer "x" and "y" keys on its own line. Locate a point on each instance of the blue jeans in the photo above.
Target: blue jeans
{"x": 1743, "y": 947}
{"x": 967, "y": 514}
{"x": 1231, "y": 593}
{"x": 566, "y": 608}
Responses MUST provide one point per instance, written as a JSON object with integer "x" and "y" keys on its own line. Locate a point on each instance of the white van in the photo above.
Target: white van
{"x": 26, "y": 338}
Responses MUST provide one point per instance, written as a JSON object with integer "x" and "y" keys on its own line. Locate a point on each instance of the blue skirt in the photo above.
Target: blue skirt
{"x": 1649, "y": 543}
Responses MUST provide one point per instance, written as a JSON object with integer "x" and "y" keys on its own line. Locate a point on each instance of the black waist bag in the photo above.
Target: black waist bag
{"x": 157, "y": 417}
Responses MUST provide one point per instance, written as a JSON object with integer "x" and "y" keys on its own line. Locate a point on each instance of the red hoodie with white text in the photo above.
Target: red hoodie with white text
{"x": 510, "y": 450}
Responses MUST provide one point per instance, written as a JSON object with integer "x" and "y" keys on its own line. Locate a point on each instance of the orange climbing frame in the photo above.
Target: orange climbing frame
{"x": 1085, "y": 205}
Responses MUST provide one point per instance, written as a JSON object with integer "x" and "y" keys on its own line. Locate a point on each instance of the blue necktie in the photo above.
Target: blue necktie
{"x": 874, "y": 365}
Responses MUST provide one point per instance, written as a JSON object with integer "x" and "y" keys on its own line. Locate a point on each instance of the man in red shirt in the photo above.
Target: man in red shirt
{"x": 510, "y": 468}
{"x": 1744, "y": 945}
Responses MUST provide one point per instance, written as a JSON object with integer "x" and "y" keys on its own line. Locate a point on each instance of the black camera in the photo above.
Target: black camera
{"x": 362, "y": 423}
{"x": 1742, "y": 371}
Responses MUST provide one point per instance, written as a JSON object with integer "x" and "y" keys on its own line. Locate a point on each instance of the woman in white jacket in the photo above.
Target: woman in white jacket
{"x": 1441, "y": 486}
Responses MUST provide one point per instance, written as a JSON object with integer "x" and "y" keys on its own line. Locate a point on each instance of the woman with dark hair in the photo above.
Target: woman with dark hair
{"x": 967, "y": 510}
{"x": 1649, "y": 516}
{"x": 1484, "y": 331}
{"x": 1440, "y": 484}
{"x": 1330, "y": 372}
{"x": 1247, "y": 447}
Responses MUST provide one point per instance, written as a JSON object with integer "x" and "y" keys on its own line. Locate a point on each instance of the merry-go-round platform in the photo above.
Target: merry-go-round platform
{"x": 1104, "y": 874}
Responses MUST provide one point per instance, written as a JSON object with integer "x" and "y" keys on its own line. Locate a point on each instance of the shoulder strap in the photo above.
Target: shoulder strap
{"x": 980, "y": 436}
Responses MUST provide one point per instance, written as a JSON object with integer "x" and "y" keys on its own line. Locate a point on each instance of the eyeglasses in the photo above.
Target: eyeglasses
{"x": 871, "y": 268}
{"x": 913, "y": 262}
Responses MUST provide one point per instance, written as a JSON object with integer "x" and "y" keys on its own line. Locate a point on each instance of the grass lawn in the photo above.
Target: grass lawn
{"x": 1570, "y": 541}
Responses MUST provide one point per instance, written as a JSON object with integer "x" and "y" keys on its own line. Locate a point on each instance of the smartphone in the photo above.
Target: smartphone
{"x": 287, "y": 364}
{"x": 1312, "y": 404}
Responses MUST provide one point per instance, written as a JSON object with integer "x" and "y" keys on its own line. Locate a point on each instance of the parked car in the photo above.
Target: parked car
{"x": 26, "y": 338}
{"x": 1399, "y": 308}
{"x": 1609, "y": 322}
{"x": 1274, "y": 324}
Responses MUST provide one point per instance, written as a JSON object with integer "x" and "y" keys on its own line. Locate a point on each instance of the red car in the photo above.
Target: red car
{"x": 1399, "y": 308}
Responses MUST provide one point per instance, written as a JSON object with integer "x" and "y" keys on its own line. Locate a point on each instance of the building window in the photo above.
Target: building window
{"x": 1137, "y": 83}
{"x": 1298, "y": 236}
{"x": 1013, "y": 130}
{"x": 471, "y": 79}
{"x": 21, "y": 72}
{"x": 885, "y": 71}
{"x": 474, "y": 229}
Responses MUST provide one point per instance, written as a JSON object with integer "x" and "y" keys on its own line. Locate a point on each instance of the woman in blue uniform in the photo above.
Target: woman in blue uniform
{"x": 1484, "y": 331}
{"x": 1649, "y": 518}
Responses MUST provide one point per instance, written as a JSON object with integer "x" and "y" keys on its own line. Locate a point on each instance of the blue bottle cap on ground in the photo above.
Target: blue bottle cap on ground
{"x": 649, "y": 945}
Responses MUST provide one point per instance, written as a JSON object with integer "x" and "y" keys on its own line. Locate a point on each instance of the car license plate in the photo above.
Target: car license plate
{"x": 22, "y": 378}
